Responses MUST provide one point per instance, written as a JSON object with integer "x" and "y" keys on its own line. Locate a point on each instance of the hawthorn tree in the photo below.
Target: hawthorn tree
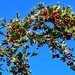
{"x": 34, "y": 29}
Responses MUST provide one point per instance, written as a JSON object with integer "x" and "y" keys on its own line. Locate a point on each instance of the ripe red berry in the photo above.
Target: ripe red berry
{"x": 7, "y": 35}
{"x": 52, "y": 43}
{"x": 66, "y": 19}
{"x": 27, "y": 21}
{"x": 69, "y": 61}
{"x": 68, "y": 36}
{"x": 55, "y": 14}
{"x": 20, "y": 33}
{"x": 44, "y": 11}
{"x": 70, "y": 24}
{"x": 57, "y": 21}
{"x": 12, "y": 25}
{"x": 14, "y": 40}
{"x": 8, "y": 46}
{"x": 20, "y": 68}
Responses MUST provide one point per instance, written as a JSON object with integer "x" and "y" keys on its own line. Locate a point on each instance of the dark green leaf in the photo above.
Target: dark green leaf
{"x": 34, "y": 54}
{"x": 1, "y": 33}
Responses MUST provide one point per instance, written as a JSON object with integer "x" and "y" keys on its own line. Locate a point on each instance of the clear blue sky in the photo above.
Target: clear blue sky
{"x": 42, "y": 64}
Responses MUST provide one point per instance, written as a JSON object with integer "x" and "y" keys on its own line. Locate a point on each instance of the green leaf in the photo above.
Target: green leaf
{"x": 18, "y": 15}
{"x": 1, "y": 64}
{"x": 34, "y": 54}
{"x": 17, "y": 36}
{"x": 1, "y": 33}
{"x": 0, "y": 73}
{"x": 25, "y": 38}
{"x": 25, "y": 58}
{"x": 14, "y": 35}
{"x": 5, "y": 41}
{"x": 41, "y": 5}
{"x": 28, "y": 53}
{"x": 73, "y": 28}
{"x": 15, "y": 20}
{"x": 74, "y": 38}
{"x": 15, "y": 50}
{"x": 14, "y": 59}
{"x": 70, "y": 30}
{"x": 72, "y": 67}
{"x": 63, "y": 59}
{"x": 53, "y": 56}
{"x": 35, "y": 8}
{"x": 24, "y": 50}
{"x": 32, "y": 41}
{"x": 12, "y": 69}
{"x": 16, "y": 45}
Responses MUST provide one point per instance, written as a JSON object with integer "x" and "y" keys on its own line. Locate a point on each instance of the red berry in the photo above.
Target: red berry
{"x": 32, "y": 35}
{"x": 66, "y": 19}
{"x": 57, "y": 21}
{"x": 8, "y": 62}
{"x": 26, "y": 45}
{"x": 7, "y": 35}
{"x": 27, "y": 21}
{"x": 46, "y": 17}
{"x": 12, "y": 25}
{"x": 7, "y": 24}
{"x": 14, "y": 41}
{"x": 27, "y": 65}
{"x": 52, "y": 42}
{"x": 20, "y": 67}
{"x": 20, "y": 33}
{"x": 44, "y": 11}
{"x": 48, "y": 36}
{"x": 69, "y": 61}
{"x": 68, "y": 36}
{"x": 35, "y": 27}
{"x": 41, "y": 22}
{"x": 70, "y": 24}
{"x": 8, "y": 46}
{"x": 68, "y": 53}
{"x": 55, "y": 14}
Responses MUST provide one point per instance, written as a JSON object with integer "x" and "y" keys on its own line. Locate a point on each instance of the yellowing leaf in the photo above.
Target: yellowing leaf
{"x": 14, "y": 59}
{"x": 15, "y": 20}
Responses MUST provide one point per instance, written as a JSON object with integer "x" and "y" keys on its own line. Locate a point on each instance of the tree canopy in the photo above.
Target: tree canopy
{"x": 52, "y": 25}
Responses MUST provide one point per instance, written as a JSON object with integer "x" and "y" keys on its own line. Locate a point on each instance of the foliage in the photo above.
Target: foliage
{"x": 35, "y": 29}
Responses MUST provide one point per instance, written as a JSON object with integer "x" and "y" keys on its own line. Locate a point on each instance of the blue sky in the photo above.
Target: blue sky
{"x": 42, "y": 64}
